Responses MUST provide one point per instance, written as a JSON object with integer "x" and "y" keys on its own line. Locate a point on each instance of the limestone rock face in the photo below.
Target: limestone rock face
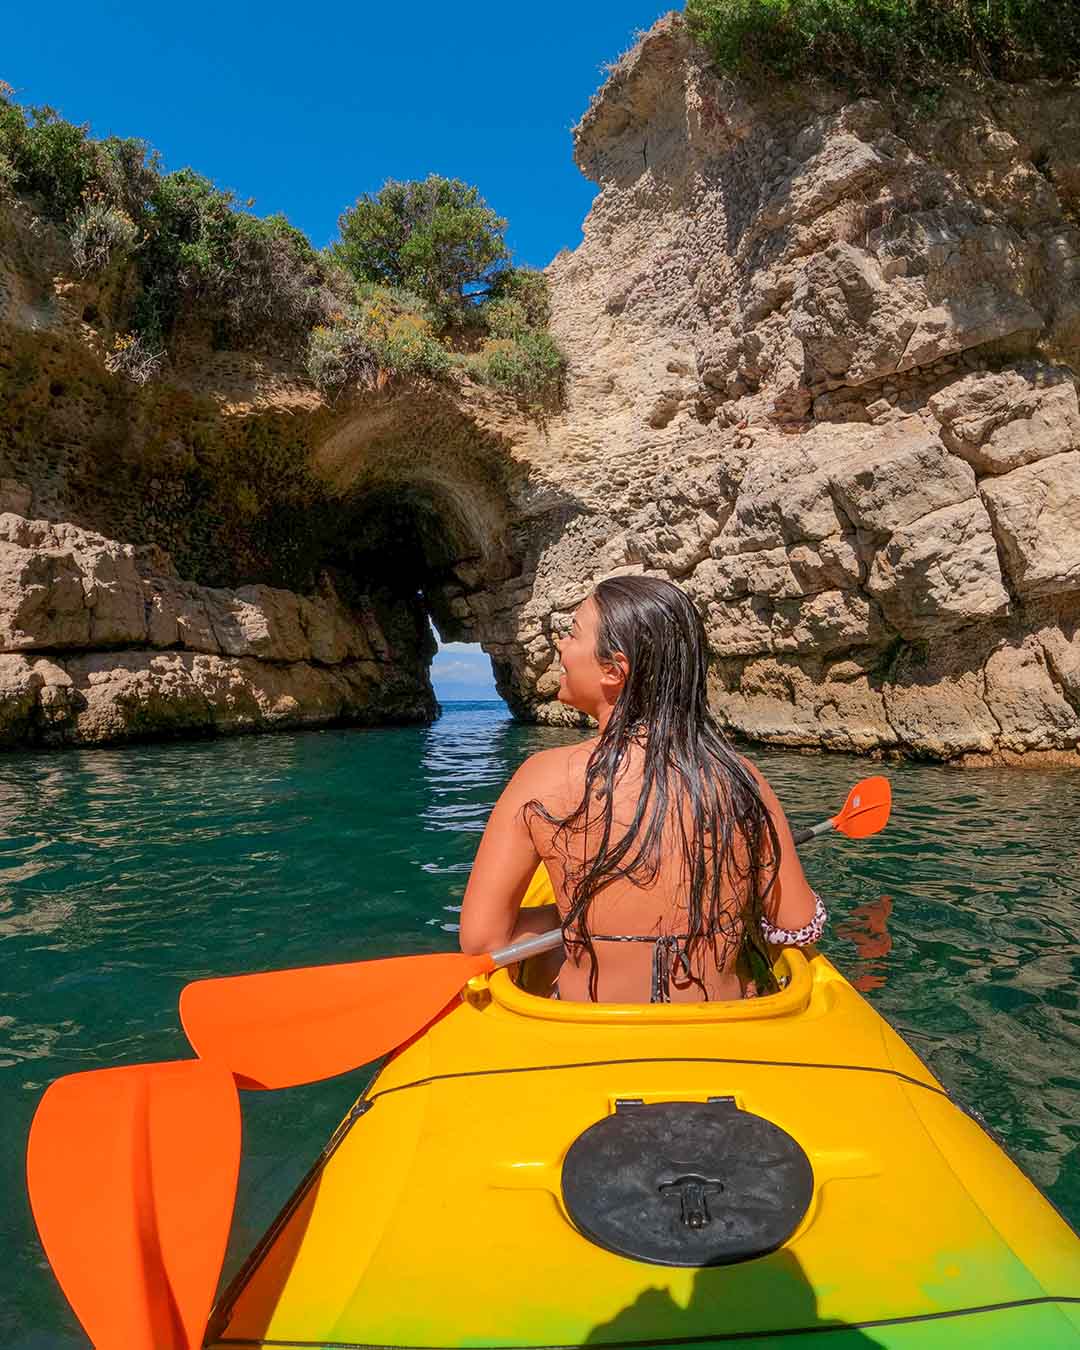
{"x": 1036, "y": 514}
{"x": 823, "y": 375}
{"x": 998, "y": 422}
{"x": 185, "y": 658}
{"x": 823, "y": 363}
{"x": 852, "y": 323}
{"x": 940, "y": 573}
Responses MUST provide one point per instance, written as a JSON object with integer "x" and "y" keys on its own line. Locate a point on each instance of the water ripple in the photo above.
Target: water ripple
{"x": 125, "y": 873}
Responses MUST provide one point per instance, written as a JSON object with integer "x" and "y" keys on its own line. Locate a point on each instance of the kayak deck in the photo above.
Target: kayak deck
{"x": 435, "y": 1218}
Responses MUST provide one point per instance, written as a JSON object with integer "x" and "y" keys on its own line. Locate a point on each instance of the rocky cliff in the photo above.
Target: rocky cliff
{"x": 822, "y": 373}
{"x": 824, "y": 362}
{"x": 103, "y": 642}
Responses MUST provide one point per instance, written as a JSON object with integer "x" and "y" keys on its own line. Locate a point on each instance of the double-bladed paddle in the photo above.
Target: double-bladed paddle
{"x": 132, "y": 1171}
{"x": 285, "y": 1027}
{"x": 132, "y": 1177}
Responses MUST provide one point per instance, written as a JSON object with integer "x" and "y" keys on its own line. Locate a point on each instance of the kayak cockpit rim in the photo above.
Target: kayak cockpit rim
{"x": 792, "y": 970}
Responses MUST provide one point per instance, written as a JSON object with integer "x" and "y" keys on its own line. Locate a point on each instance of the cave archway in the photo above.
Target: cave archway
{"x": 430, "y": 530}
{"x": 425, "y": 554}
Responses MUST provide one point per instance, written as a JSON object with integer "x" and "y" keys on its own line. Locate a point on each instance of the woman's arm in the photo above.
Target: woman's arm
{"x": 491, "y": 914}
{"x": 792, "y": 902}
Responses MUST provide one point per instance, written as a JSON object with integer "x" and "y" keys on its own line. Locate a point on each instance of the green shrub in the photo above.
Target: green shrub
{"x": 526, "y": 287}
{"x": 529, "y": 365}
{"x": 8, "y": 177}
{"x": 863, "y": 43}
{"x": 339, "y": 354}
{"x": 401, "y": 328}
{"x": 126, "y": 174}
{"x": 376, "y": 335}
{"x": 407, "y": 347}
{"x": 504, "y": 318}
{"x": 57, "y": 162}
{"x": 52, "y": 159}
{"x": 101, "y": 234}
{"x": 198, "y": 250}
{"x": 438, "y": 238}
{"x": 393, "y": 299}
{"x": 248, "y": 275}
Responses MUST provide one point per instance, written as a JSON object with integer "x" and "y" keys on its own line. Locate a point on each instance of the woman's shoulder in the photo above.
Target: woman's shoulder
{"x": 753, "y": 770}
{"x": 553, "y": 777}
{"x": 764, "y": 787}
{"x": 554, "y": 767}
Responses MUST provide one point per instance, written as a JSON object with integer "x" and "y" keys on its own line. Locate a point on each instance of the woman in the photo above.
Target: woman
{"x": 671, "y": 860}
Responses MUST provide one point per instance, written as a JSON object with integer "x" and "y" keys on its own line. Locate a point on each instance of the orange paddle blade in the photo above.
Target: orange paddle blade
{"x": 132, "y": 1176}
{"x": 866, "y": 810}
{"x": 285, "y": 1027}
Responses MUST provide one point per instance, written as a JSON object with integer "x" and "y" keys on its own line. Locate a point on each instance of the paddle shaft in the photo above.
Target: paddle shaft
{"x": 812, "y": 832}
{"x": 547, "y": 942}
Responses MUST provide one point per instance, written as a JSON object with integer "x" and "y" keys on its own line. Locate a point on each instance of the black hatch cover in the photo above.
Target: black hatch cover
{"x": 686, "y": 1183}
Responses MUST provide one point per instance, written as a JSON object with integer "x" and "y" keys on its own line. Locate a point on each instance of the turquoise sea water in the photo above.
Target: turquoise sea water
{"x": 125, "y": 873}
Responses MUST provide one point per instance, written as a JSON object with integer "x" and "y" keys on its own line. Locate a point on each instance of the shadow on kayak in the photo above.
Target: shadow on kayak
{"x": 728, "y": 1304}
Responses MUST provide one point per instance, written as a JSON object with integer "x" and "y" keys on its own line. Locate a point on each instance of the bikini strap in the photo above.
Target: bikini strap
{"x": 670, "y": 952}
{"x": 669, "y": 955}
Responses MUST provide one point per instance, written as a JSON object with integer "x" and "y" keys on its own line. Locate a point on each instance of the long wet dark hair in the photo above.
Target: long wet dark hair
{"x": 692, "y": 780}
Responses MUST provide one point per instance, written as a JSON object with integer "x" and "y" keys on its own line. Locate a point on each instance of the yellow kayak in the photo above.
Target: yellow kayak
{"x": 781, "y": 1171}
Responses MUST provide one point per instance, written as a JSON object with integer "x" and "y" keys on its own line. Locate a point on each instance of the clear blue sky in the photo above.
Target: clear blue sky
{"x": 461, "y": 670}
{"x": 303, "y": 108}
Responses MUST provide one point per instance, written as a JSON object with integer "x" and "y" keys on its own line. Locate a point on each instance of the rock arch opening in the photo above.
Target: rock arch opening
{"x": 430, "y": 489}
{"x": 424, "y": 554}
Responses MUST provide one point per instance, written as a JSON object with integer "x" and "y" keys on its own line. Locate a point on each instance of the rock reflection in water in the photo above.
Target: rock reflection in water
{"x": 866, "y": 928}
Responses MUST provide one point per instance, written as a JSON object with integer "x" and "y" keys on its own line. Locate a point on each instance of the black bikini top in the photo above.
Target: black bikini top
{"x": 671, "y": 950}
{"x": 670, "y": 953}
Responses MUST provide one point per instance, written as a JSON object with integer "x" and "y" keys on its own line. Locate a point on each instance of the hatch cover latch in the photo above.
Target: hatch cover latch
{"x": 692, "y": 1191}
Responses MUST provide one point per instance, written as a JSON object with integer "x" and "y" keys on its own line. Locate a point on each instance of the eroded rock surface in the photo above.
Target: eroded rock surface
{"x": 178, "y": 658}
{"x": 823, "y": 373}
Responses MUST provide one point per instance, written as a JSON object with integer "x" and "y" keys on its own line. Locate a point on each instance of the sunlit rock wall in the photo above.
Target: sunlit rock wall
{"x": 823, "y": 374}
{"x": 102, "y": 642}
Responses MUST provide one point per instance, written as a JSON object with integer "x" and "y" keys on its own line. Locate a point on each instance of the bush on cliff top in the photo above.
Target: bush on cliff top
{"x": 528, "y": 365}
{"x": 386, "y": 332}
{"x": 58, "y": 163}
{"x": 438, "y": 238}
{"x": 247, "y": 275}
{"x": 392, "y": 331}
{"x": 867, "y": 42}
{"x": 420, "y": 269}
{"x": 440, "y": 242}
{"x": 192, "y": 248}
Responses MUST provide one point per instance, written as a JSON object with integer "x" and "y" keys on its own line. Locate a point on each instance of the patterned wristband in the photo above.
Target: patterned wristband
{"x": 797, "y": 937}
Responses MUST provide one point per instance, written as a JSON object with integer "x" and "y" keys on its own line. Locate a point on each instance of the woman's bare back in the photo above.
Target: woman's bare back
{"x": 636, "y": 660}
{"x": 627, "y": 971}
